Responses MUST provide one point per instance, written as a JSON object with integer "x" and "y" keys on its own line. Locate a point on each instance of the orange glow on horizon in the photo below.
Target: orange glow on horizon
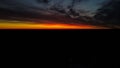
{"x": 45, "y": 26}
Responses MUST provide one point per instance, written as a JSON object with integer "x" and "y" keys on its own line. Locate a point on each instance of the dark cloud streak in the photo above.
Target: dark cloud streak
{"x": 29, "y": 5}
{"x": 40, "y": 9}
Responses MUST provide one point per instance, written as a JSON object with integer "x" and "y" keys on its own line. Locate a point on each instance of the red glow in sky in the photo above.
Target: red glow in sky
{"x": 45, "y": 26}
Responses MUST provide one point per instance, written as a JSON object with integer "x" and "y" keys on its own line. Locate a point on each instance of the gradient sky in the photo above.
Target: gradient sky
{"x": 85, "y": 7}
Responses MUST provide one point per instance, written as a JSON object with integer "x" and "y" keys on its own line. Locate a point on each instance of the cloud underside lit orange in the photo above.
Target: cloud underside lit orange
{"x": 45, "y": 26}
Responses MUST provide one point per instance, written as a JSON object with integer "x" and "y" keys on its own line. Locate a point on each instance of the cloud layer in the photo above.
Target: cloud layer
{"x": 88, "y": 7}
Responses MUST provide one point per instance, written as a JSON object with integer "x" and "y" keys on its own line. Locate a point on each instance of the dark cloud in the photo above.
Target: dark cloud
{"x": 30, "y": 5}
{"x": 35, "y": 8}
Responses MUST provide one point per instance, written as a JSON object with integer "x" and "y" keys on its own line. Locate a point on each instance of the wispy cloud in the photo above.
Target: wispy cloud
{"x": 27, "y": 5}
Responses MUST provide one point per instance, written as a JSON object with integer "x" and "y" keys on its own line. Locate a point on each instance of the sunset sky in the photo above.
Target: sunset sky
{"x": 34, "y": 11}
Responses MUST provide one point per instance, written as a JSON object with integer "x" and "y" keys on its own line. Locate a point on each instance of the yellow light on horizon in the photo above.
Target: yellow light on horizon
{"x": 45, "y": 26}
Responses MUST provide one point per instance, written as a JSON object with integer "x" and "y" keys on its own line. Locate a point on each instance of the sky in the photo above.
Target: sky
{"x": 34, "y": 10}
{"x": 85, "y": 7}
